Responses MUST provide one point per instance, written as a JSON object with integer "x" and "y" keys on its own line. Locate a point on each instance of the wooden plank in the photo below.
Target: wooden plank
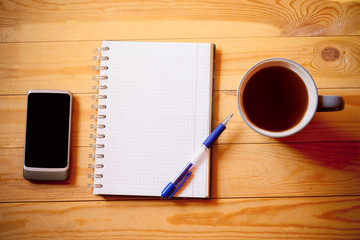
{"x": 238, "y": 170}
{"x": 16, "y": 188}
{"x": 286, "y": 169}
{"x": 333, "y": 62}
{"x": 325, "y": 126}
{"x": 26, "y": 20}
{"x": 12, "y": 122}
{"x": 335, "y": 126}
{"x": 49, "y": 65}
{"x": 261, "y": 187}
{"x": 273, "y": 218}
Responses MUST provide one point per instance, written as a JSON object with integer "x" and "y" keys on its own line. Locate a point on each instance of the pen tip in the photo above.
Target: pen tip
{"x": 227, "y": 119}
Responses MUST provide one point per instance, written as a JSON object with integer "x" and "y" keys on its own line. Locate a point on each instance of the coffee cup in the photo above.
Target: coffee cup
{"x": 278, "y": 97}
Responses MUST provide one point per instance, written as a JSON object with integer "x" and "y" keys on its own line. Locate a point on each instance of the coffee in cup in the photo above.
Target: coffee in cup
{"x": 278, "y": 97}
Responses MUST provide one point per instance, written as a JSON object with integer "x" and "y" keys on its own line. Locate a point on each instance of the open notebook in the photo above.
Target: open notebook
{"x": 153, "y": 112}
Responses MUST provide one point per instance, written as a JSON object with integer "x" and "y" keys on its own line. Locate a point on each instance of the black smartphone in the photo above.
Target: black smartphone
{"x": 47, "y": 135}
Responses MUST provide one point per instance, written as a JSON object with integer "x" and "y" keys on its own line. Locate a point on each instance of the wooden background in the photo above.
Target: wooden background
{"x": 306, "y": 186}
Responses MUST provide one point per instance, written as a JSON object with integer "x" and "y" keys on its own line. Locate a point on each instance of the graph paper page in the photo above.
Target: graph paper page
{"x": 158, "y": 113}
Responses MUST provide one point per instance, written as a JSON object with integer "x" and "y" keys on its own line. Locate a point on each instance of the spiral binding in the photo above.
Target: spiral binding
{"x": 97, "y": 145}
{"x": 92, "y": 185}
{"x": 97, "y": 97}
{"x": 95, "y": 126}
{"x": 98, "y": 50}
{"x": 97, "y": 165}
{"x": 95, "y": 175}
{"x": 95, "y": 136}
{"x": 98, "y": 68}
{"x": 98, "y": 78}
{"x": 99, "y": 58}
{"x": 93, "y": 156}
{"x": 96, "y": 116}
{"x": 99, "y": 87}
{"x": 98, "y": 106}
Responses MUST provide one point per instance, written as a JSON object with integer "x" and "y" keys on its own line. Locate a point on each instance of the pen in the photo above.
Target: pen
{"x": 183, "y": 175}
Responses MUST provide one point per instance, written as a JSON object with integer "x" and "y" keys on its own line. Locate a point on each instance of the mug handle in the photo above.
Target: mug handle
{"x": 329, "y": 103}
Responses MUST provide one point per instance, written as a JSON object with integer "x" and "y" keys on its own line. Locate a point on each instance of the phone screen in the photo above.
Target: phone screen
{"x": 47, "y": 130}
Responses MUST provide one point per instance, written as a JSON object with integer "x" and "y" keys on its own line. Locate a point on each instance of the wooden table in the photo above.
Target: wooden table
{"x": 302, "y": 187}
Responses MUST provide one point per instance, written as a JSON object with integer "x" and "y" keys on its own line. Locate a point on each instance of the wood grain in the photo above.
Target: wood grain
{"x": 47, "y": 65}
{"x": 238, "y": 170}
{"x": 335, "y": 126}
{"x": 289, "y": 218}
{"x": 306, "y": 186}
{"x": 26, "y": 20}
{"x": 332, "y": 61}
{"x": 16, "y": 188}
{"x": 286, "y": 169}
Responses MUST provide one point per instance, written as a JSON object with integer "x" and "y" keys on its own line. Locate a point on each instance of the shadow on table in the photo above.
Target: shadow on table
{"x": 335, "y": 147}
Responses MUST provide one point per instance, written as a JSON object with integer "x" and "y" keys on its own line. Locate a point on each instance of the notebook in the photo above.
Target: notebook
{"x": 154, "y": 108}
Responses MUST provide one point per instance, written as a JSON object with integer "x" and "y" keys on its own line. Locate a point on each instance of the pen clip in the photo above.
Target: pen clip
{"x": 183, "y": 181}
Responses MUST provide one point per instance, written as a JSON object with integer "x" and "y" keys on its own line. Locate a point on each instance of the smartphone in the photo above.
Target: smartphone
{"x": 47, "y": 135}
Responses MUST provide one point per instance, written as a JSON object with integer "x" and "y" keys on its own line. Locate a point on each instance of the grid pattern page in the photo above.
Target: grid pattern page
{"x": 157, "y": 115}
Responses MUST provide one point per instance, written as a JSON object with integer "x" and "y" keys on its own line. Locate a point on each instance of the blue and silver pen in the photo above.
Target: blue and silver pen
{"x": 179, "y": 180}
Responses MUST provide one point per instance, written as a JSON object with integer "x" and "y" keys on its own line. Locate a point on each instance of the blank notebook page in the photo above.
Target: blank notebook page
{"x": 158, "y": 112}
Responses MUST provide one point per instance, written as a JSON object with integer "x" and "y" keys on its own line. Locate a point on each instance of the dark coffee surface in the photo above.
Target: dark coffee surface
{"x": 275, "y": 99}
